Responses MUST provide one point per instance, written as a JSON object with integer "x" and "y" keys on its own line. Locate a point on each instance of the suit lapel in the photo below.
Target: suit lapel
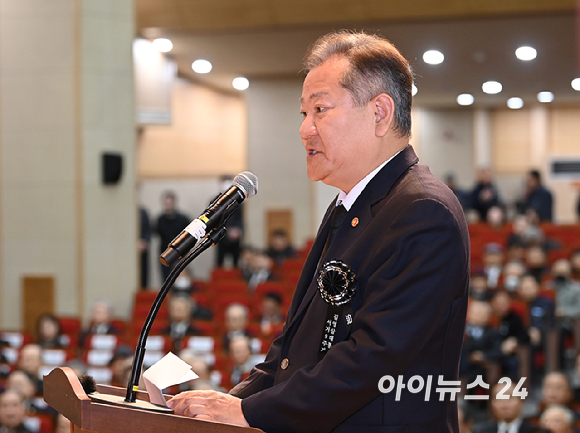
{"x": 356, "y": 220}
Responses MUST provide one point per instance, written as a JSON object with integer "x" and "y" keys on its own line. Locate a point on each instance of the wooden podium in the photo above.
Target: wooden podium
{"x": 63, "y": 391}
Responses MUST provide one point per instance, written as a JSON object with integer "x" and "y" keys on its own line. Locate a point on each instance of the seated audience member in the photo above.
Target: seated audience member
{"x": 567, "y": 302}
{"x": 511, "y": 330}
{"x": 199, "y": 367}
{"x": 120, "y": 365}
{"x": 540, "y": 308}
{"x": 199, "y": 312}
{"x": 478, "y": 288}
{"x": 280, "y": 248}
{"x": 495, "y": 217}
{"x": 541, "y": 318}
{"x": 513, "y": 271}
{"x": 236, "y": 322}
{"x": 567, "y": 291}
{"x": 260, "y": 269}
{"x": 524, "y": 232}
{"x": 575, "y": 264}
{"x": 48, "y": 333}
{"x": 558, "y": 419}
{"x": 240, "y": 353}
{"x": 516, "y": 251}
{"x": 536, "y": 262}
{"x": 100, "y": 323}
{"x": 179, "y": 321}
{"x": 271, "y": 314}
{"x": 482, "y": 343}
{"x": 30, "y": 361}
{"x": 12, "y": 413}
{"x": 492, "y": 263}
{"x": 556, "y": 390}
{"x": 507, "y": 413}
{"x": 25, "y": 386}
{"x": 183, "y": 283}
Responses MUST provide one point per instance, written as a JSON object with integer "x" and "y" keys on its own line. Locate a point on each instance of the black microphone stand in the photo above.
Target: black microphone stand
{"x": 212, "y": 238}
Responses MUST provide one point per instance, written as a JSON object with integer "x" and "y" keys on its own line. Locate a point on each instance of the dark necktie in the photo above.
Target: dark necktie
{"x": 338, "y": 215}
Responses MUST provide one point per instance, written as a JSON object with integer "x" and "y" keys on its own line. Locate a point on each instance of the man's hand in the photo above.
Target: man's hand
{"x": 209, "y": 405}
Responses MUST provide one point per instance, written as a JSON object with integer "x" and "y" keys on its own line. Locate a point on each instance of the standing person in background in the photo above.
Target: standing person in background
{"x": 389, "y": 268}
{"x": 485, "y": 194}
{"x": 231, "y": 244}
{"x": 143, "y": 246}
{"x": 169, "y": 224}
{"x": 537, "y": 198}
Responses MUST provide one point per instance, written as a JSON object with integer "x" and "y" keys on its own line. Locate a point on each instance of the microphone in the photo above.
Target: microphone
{"x": 245, "y": 185}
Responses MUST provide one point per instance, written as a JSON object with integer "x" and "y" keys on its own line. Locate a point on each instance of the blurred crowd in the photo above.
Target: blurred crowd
{"x": 522, "y": 338}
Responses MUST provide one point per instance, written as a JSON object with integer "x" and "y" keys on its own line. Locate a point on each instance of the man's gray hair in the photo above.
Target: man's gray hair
{"x": 376, "y": 67}
{"x": 569, "y": 416}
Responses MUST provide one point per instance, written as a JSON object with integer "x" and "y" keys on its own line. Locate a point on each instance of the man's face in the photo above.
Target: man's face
{"x": 506, "y": 410}
{"x": 556, "y": 389}
{"x": 528, "y": 289}
{"x": 337, "y": 135}
{"x": 30, "y": 359}
{"x": 11, "y": 409}
{"x": 236, "y": 319}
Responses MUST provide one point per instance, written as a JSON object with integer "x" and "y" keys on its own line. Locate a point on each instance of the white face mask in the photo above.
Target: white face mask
{"x": 511, "y": 282}
{"x": 182, "y": 283}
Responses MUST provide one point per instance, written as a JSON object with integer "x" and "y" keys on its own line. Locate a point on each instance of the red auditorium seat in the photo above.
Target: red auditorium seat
{"x": 69, "y": 324}
{"x": 270, "y": 286}
{"x": 221, "y": 274}
{"x": 220, "y": 287}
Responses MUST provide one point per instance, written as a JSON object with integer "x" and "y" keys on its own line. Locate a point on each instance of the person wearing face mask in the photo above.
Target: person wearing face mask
{"x": 567, "y": 301}
{"x": 512, "y": 274}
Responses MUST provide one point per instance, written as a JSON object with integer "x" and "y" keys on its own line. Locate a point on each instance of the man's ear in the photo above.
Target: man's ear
{"x": 384, "y": 107}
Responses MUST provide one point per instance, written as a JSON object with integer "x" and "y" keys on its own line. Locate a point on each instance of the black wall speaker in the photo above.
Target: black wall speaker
{"x": 112, "y": 168}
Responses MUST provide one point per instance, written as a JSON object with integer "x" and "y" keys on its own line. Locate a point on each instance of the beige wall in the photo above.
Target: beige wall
{"x": 207, "y": 136}
{"x": 66, "y": 95}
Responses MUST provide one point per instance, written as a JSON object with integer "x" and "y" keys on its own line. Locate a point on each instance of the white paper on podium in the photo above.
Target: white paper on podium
{"x": 168, "y": 371}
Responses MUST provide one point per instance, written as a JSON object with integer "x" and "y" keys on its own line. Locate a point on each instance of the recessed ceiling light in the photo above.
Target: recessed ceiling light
{"x": 163, "y": 45}
{"x": 414, "y": 90}
{"x": 526, "y": 53}
{"x": 545, "y": 96}
{"x": 201, "y": 66}
{"x": 576, "y": 84}
{"x": 240, "y": 83}
{"x": 465, "y": 99}
{"x": 433, "y": 57}
{"x": 491, "y": 87}
{"x": 515, "y": 103}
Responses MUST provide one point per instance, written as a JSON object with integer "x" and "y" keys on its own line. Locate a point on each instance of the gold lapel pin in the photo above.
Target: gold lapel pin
{"x": 354, "y": 222}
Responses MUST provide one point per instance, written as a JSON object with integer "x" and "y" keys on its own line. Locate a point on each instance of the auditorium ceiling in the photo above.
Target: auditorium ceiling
{"x": 267, "y": 38}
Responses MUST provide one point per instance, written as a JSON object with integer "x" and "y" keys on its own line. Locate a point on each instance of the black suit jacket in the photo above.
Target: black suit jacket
{"x": 410, "y": 253}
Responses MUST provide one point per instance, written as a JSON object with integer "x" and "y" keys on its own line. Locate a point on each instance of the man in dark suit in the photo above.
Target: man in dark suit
{"x": 507, "y": 412}
{"x": 388, "y": 294}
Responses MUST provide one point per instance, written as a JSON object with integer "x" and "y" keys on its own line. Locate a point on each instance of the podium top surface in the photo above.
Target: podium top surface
{"x": 63, "y": 391}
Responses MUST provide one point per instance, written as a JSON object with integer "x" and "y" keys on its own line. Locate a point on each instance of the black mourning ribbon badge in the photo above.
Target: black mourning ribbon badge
{"x": 337, "y": 286}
